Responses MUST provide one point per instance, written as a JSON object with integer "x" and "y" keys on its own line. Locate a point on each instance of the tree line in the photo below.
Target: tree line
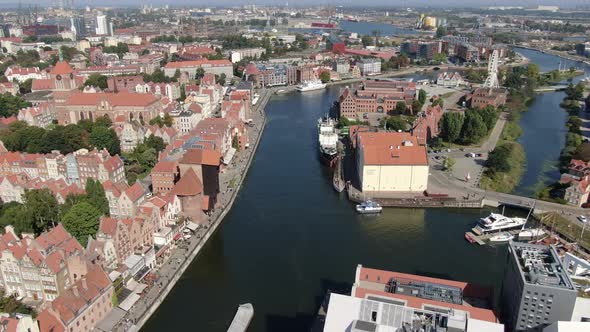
{"x": 469, "y": 128}
{"x": 85, "y": 135}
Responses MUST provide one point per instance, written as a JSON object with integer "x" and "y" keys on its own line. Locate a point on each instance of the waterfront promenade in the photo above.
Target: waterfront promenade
{"x": 182, "y": 256}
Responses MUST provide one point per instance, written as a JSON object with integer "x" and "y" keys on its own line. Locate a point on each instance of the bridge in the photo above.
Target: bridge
{"x": 551, "y": 88}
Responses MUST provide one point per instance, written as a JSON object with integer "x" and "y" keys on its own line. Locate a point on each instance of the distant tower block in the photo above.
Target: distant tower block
{"x": 492, "y": 79}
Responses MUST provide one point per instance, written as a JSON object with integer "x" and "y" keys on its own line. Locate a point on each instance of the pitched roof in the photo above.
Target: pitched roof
{"x": 165, "y": 166}
{"x": 198, "y": 63}
{"x": 62, "y": 68}
{"x": 135, "y": 191}
{"x": 48, "y": 322}
{"x": 201, "y": 157}
{"x": 108, "y": 226}
{"x": 122, "y": 98}
{"x": 188, "y": 185}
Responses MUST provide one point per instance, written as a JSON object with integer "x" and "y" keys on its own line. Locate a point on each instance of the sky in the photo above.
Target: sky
{"x": 392, "y": 3}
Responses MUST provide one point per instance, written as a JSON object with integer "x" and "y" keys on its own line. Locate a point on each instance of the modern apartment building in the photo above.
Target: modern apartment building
{"x": 536, "y": 291}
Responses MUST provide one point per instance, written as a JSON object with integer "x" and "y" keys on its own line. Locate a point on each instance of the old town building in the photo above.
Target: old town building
{"x": 375, "y": 97}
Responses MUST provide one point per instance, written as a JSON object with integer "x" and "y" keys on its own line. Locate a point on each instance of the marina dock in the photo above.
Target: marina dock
{"x": 476, "y": 237}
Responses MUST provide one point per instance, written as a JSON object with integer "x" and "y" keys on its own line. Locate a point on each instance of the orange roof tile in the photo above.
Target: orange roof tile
{"x": 201, "y": 157}
{"x": 135, "y": 191}
{"x": 115, "y": 99}
{"x": 62, "y": 68}
{"x": 188, "y": 185}
{"x": 391, "y": 148}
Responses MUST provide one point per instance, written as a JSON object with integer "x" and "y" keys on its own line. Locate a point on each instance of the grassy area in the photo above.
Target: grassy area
{"x": 555, "y": 76}
{"x": 571, "y": 231}
{"x": 506, "y": 181}
{"x": 511, "y": 131}
{"x": 232, "y": 183}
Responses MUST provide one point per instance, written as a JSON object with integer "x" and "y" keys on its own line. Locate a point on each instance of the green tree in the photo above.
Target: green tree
{"x": 97, "y": 80}
{"x": 400, "y": 107}
{"x": 220, "y": 79}
{"x": 489, "y": 115}
{"x": 325, "y": 76}
{"x": 82, "y": 221}
{"x": 43, "y": 209}
{"x": 474, "y": 129}
{"x": 10, "y": 105}
{"x": 393, "y": 123}
{"x": 199, "y": 73}
{"x": 19, "y": 217}
{"x": 441, "y": 32}
{"x": 155, "y": 142}
{"x": 533, "y": 71}
{"x": 25, "y": 87}
{"x": 440, "y": 58}
{"x": 367, "y": 40}
{"x": 105, "y": 138}
{"x": 498, "y": 160}
{"x": 449, "y": 163}
{"x": 450, "y": 126}
{"x": 422, "y": 96}
{"x": 96, "y": 196}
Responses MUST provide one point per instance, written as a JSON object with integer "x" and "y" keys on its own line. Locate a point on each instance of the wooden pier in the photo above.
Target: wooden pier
{"x": 475, "y": 236}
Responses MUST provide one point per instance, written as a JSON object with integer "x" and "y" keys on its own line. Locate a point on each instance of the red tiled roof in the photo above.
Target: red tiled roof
{"x": 165, "y": 166}
{"x": 108, "y": 226}
{"x": 135, "y": 191}
{"x": 115, "y": 99}
{"x": 198, "y": 63}
{"x": 201, "y": 157}
{"x": 62, "y": 68}
{"x": 48, "y": 322}
{"x": 188, "y": 185}
{"x": 8, "y": 324}
{"x": 391, "y": 148}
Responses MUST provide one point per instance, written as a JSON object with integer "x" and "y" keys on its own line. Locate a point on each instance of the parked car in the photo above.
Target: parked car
{"x": 582, "y": 218}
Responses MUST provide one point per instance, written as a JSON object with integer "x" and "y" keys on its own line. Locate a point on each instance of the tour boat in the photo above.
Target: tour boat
{"x": 368, "y": 207}
{"x": 502, "y": 237}
{"x": 495, "y": 223}
{"x": 310, "y": 86}
{"x": 328, "y": 141}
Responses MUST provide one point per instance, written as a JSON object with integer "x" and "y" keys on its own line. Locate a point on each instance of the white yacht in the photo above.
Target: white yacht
{"x": 310, "y": 86}
{"x": 368, "y": 207}
{"x": 530, "y": 234}
{"x": 495, "y": 223}
{"x": 328, "y": 141}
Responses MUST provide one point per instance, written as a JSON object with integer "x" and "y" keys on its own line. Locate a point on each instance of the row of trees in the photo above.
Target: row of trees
{"x": 40, "y": 212}
{"x": 86, "y": 134}
{"x": 469, "y": 128}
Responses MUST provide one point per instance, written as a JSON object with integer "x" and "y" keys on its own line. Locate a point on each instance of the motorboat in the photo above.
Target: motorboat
{"x": 311, "y": 86}
{"x": 502, "y": 237}
{"x": 495, "y": 223}
{"x": 368, "y": 207}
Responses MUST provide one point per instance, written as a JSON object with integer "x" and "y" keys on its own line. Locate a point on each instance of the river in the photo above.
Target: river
{"x": 544, "y": 128}
{"x": 290, "y": 237}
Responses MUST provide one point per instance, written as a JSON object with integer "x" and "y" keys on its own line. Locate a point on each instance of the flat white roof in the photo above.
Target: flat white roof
{"x": 568, "y": 327}
{"x": 581, "y": 309}
{"x": 342, "y": 311}
{"x": 475, "y": 325}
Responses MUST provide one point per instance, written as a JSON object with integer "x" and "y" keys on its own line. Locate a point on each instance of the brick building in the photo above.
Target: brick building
{"x": 375, "y": 97}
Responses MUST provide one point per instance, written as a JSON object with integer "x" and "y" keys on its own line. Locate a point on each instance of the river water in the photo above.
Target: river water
{"x": 544, "y": 128}
{"x": 289, "y": 237}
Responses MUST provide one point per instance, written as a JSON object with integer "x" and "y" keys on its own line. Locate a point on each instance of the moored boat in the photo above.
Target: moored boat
{"x": 310, "y": 86}
{"x": 502, "y": 237}
{"x": 530, "y": 234}
{"x": 368, "y": 207}
{"x": 495, "y": 223}
{"x": 328, "y": 141}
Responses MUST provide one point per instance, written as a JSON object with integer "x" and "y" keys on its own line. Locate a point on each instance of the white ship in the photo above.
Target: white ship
{"x": 310, "y": 86}
{"x": 495, "y": 223}
{"x": 328, "y": 141}
{"x": 368, "y": 207}
{"x": 530, "y": 234}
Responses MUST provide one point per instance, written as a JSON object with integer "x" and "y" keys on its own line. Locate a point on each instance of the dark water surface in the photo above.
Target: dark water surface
{"x": 290, "y": 237}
